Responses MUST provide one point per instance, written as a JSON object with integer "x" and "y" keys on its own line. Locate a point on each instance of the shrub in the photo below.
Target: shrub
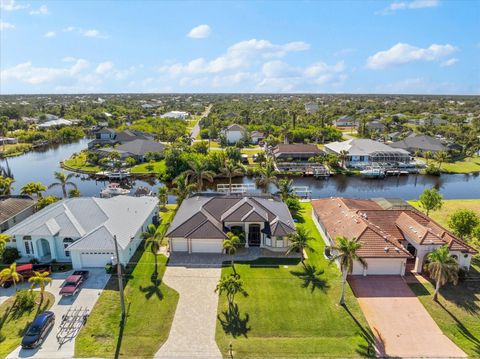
{"x": 293, "y": 205}
{"x": 10, "y": 255}
{"x": 432, "y": 170}
{"x": 25, "y": 300}
{"x": 109, "y": 268}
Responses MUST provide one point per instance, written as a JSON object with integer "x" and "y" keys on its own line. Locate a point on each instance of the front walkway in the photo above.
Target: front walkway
{"x": 401, "y": 325}
{"x": 86, "y": 298}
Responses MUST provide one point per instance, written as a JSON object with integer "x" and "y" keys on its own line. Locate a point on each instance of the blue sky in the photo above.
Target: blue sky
{"x": 401, "y": 46}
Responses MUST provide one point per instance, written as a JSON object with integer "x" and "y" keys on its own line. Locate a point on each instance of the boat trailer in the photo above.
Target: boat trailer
{"x": 72, "y": 321}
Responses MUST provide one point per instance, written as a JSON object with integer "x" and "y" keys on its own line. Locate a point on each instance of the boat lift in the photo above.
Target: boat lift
{"x": 304, "y": 192}
{"x": 236, "y": 188}
{"x": 71, "y": 323}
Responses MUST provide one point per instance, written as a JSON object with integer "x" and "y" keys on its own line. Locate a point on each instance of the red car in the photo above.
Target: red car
{"x": 27, "y": 271}
{"x": 73, "y": 283}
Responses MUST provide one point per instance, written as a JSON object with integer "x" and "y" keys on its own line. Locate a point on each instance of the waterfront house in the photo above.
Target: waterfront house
{"x": 393, "y": 240}
{"x": 420, "y": 143}
{"x": 295, "y": 152}
{"x": 81, "y": 230}
{"x": 109, "y": 137}
{"x": 138, "y": 149}
{"x": 14, "y": 209}
{"x": 202, "y": 222}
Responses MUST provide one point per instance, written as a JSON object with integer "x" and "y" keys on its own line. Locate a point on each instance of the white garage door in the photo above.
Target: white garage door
{"x": 179, "y": 245}
{"x": 207, "y": 245}
{"x": 95, "y": 259}
{"x": 384, "y": 266}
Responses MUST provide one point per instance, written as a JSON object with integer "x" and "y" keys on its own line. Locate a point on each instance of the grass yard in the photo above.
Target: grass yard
{"x": 150, "y": 310}
{"x": 467, "y": 165}
{"x": 79, "y": 162}
{"x": 457, "y": 313}
{"x": 144, "y": 168}
{"x": 291, "y": 311}
{"x": 14, "y": 322}
{"x": 450, "y": 206}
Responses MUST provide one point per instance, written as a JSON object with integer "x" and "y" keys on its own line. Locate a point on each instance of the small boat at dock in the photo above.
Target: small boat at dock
{"x": 112, "y": 190}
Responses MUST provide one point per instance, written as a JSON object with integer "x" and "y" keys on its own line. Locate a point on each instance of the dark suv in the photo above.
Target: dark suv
{"x": 38, "y": 330}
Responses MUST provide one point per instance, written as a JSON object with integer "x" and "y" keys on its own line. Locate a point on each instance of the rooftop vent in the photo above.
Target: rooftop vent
{"x": 397, "y": 250}
{"x": 386, "y": 249}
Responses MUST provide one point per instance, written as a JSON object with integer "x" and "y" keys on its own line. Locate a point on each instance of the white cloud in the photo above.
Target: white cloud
{"x": 200, "y": 32}
{"x": 104, "y": 67}
{"x": 449, "y": 62}
{"x": 93, "y": 33}
{"x": 43, "y": 10}
{"x": 6, "y": 25}
{"x": 50, "y": 34}
{"x": 69, "y": 29}
{"x": 404, "y": 53}
{"x": 409, "y": 5}
{"x": 68, "y": 59}
{"x": 11, "y": 5}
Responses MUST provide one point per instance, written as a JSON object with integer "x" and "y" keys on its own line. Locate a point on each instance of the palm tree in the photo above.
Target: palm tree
{"x": 443, "y": 268}
{"x": 441, "y": 157}
{"x": 163, "y": 195}
{"x": 63, "y": 181}
{"x": 231, "y": 286}
{"x": 11, "y": 273}
{"x": 4, "y": 238}
{"x": 40, "y": 280}
{"x": 198, "y": 173}
{"x": 183, "y": 188}
{"x": 285, "y": 188}
{"x": 153, "y": 239}
{"x": 267, "y": 174}
{"x": 347, "y": 254}
{"x": 343, "y": 157}
{"x": 231, "y": 169}
{"x": 230, "y": 245}
{"x": 299, "y": 241}
{"x": 427, "y": 156}
{"x": 35, "y": 188}
{"x": 6, "y": 185}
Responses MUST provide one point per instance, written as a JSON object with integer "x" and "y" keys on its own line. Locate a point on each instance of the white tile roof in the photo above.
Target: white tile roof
{"x": 93, "y": 221}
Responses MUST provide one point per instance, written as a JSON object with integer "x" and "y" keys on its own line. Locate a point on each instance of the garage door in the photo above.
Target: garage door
{"x": 179, "y": 245}
{"x": 207, "y": 245}
{"x": 384, "y": 266}
{"x": 95, "y": 259}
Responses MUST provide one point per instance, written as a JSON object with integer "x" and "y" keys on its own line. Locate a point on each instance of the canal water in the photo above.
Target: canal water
{"x": 40, "y": 166}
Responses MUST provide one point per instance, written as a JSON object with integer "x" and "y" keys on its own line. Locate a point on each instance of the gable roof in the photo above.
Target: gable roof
{"x": 200, "y": 214}
{"x": 235, "y": 127}
{"x": 362, "y": 147}
{"x": 296, "y": 148}
{"x": 421, "y": 142}
{"x": 140, "y": 147}
{"x": 10, "y": 206}
{"x": 92, "y": 221}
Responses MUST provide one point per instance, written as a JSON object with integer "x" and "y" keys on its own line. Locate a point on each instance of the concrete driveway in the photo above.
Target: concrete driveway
{"x": 400, "y": 323}
{"x": 86, "y": 298}
{"x": 192, "y": 334}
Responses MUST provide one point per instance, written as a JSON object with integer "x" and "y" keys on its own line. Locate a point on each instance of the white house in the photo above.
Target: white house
{"x": 176, "y": 114}
{"x": 234, "y": 133}
{"x": 82, "y": 230}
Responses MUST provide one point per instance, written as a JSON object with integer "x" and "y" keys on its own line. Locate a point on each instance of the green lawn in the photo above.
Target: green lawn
{"x": 291, "y": 312}
{"x": 14, "y": 322}
{"x": 457, "y": 313}
{"x": 79, "y": 162}
{"x": 150, "y": 311}
{"x": 450, "y": 206}
{"x": 158, "y": 168}
{"x": 467, "y": 165}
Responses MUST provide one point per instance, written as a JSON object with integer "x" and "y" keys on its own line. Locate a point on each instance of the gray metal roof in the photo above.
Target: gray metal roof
{"x": 140, "y": 147}
{"x": 12, "y": 205}
{"x": 420, "y": 142}
{"x": 92, "y": 222}
{"x": 362, "y": 147}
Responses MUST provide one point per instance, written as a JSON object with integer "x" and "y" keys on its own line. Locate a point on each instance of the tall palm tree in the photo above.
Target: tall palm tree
{"x": 347, "y": 254}
{"x": 230, "y": 245}
{"x": 163, "y": 195}
{"x": 35, "y": 188}
{"x": 443, "y": 268}
{"x": 267, "y": 174}
{"x": 427, "y": 155}
{"x": 343, "y": 157}
{"x": 153, "y": 240}
{"x": 441, "y": 157}
{"x": 231, "y": 286}
{"x": 198, "y": 173}
{"x": 4, "y": 238}
{"x": 40, "y": 280}
{"x": 299, "y": 241}
{"x": 63, "y": 181}
{"x": 11, "y": 273}
{"x": 285, "y": 188}
{"x": 183, "y": 188}
{"x": 231, "y": 169}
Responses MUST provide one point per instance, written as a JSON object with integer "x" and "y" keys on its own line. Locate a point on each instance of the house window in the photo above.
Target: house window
{"x": 454, "y": 256}
{"x": 28, "y": 245}
{"x": 66, "y": 242}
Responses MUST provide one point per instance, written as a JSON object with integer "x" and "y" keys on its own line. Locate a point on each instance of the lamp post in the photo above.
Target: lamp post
{"x": 120, "y": 278}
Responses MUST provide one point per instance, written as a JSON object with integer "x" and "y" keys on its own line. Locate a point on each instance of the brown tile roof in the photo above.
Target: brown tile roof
{"x": 13, "y": 205}
{"x": 296, "y": 148}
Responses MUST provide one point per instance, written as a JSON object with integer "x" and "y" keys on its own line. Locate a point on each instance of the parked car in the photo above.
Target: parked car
{"x": 27, "y": 271}
{"x": 38, "y": 330}
{"x": 73, "y": 283}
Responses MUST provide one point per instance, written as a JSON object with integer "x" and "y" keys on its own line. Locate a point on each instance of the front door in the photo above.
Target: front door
{"x": 254, "y": 235}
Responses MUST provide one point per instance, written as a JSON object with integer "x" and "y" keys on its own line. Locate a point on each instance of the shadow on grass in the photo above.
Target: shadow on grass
{"x": 311, "y": 278}
{"x": 373, "y": 341}
{"x": 233, "y": 323}
{"x": 153, "y": 289}
{"x": 120, "y": 338}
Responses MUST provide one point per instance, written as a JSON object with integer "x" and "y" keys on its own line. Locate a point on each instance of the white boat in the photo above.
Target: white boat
{"x": 118, "y": 175}
{"x": 113, "y": 189}
{"x": 373, "y": 173}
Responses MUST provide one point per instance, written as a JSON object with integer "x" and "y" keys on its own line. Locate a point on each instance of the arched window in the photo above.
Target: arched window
{"x": 66, "y": 242}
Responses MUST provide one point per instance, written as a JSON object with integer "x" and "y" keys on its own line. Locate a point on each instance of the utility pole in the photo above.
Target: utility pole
{"x": 120, "y": 278}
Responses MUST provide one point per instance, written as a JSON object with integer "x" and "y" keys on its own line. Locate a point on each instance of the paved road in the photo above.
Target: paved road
{"x": 196, "y": 129}
{"x": 400, "y": 323}
{"x": 87, "y": 297}
{"x": 193, "y": 330}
